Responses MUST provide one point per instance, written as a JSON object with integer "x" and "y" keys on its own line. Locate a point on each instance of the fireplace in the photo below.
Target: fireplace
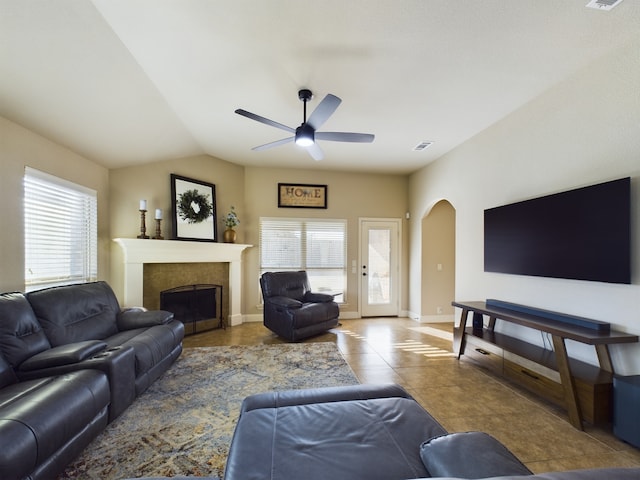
{"x": 131, "y": 256}
{"x": 198, "y": 307}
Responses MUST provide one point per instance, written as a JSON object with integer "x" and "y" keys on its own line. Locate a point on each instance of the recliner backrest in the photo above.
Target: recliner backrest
{"x": 285, "y": 284}
{"x": 21, "y": 335}
{"x": 75, "y": 313}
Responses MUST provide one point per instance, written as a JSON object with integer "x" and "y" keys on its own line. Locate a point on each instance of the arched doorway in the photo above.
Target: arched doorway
{"x": 438, "y": 263}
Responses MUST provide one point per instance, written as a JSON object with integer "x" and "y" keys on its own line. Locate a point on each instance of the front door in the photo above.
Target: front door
{"x": 379, "y": 267}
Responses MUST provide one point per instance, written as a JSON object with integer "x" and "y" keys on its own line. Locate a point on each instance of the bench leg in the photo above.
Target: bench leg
{"x": 604, "y": 358}
{"x": 458, "y": 334}
{"x": 570, "y": 395}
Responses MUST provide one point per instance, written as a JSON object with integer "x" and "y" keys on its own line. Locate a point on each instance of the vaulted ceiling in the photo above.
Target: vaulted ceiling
{"x": 134, "y": 81}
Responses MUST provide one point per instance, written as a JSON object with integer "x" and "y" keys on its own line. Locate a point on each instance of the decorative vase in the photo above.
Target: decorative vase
{"x": 229, "y": 235}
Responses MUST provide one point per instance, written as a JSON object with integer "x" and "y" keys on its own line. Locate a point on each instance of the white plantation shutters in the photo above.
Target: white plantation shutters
{"x": 318, "y": 246}
{"x": 61, "y": 231}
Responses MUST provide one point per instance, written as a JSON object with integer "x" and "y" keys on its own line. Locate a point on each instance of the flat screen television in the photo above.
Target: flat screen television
{"x": 581, "y": 234}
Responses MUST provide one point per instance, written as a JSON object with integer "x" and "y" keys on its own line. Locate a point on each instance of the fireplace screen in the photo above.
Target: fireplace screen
{"x": 198, "y": 307}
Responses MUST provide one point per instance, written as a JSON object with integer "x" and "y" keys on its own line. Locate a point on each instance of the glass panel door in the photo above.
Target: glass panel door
{"x": 379, "y": 285}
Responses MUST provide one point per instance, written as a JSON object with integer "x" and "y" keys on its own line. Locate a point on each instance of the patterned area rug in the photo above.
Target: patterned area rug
{"x": 183, "y": 424}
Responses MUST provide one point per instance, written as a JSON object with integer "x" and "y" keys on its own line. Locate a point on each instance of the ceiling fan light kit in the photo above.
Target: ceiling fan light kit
{"x": 305, "y": 135}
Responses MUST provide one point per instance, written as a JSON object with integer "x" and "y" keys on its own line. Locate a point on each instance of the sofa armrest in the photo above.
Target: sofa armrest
{"x": 284, "y": 302}
{"x": 469, "y": 455}
{"x": 132, "y": 318}
{"x": 62, "y": 355}
{"x": 318, "y": 297}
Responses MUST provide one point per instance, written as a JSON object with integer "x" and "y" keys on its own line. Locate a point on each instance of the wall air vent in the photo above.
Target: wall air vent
{"x": 605, "y": 5}
{"x": 422, "y": 146}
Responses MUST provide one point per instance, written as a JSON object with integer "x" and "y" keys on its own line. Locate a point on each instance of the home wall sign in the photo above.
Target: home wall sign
{"x": 302, "y": 195}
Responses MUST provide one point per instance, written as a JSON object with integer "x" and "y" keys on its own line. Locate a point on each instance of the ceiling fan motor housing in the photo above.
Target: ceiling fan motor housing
{"x": 305, "y": 95}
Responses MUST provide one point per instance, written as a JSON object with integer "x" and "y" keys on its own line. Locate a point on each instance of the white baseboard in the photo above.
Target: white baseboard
{"x": 234, "y": 320}
{"x": 254, "y": 317}
{"x": 431, "y": 318}
{"x": 257, "y": 317}
{"x": 437, "y": 318}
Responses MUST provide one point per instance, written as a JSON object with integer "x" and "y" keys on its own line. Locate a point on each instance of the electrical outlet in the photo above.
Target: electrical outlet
{"x": 439, "y": 310}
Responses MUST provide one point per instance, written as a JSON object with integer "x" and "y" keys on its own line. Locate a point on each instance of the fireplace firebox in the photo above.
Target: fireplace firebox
{"x": 198, "y": 307}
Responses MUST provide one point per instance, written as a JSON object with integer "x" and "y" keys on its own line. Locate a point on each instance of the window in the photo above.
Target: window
{"x": 60, "y": 231}
{"x": 317, "y": 246}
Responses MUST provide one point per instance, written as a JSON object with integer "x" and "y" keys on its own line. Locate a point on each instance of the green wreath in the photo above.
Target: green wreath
{"x": 194, "y": 207}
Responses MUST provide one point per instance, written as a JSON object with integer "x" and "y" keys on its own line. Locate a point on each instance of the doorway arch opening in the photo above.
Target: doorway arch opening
{"x": 438, "y": 263}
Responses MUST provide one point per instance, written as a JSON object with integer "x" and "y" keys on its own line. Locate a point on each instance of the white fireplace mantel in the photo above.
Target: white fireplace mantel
{"x": 134, "y": 253}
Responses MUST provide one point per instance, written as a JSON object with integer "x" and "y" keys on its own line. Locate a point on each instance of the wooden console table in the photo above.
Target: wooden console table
{"x": 570, "y": 371}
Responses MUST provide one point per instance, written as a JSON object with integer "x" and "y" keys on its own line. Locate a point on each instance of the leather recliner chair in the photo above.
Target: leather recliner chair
{"x": 292, "y": 310}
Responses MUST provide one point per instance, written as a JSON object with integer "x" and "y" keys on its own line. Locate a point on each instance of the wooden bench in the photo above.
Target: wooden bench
{"x": 584, "y": 390}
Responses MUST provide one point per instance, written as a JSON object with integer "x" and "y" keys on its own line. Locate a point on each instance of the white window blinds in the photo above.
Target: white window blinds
{"x": 316, "y": 245}
{"x": 61, "y": 231}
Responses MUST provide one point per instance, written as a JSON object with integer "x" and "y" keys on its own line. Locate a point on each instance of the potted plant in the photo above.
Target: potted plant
{"x": 231, "y": 220}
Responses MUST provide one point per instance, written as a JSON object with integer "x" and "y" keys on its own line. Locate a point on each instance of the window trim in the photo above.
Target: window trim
{"x": 61, "y": 214}
{"x": 304, "y": 221}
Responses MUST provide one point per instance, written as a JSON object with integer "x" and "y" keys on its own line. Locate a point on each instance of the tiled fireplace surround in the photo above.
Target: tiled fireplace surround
{"x": 141, "y": 269}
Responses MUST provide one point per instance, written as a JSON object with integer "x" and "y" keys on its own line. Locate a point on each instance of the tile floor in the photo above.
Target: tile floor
{"x": 460, "y": 395}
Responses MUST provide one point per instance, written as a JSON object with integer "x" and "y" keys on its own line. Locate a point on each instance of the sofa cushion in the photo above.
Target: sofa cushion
{"x": 43, "y": 415}
{"x": 469, "y": 455}
{"x": 313, "y": 313}
{"x": 151, "y": 345}
{"x": 7, "y": 374}
{"x": 281, "y": 303}
{"x": 75, "y": 313}
{"x": 21, "y": 336}
{"x": 325, "y": 437}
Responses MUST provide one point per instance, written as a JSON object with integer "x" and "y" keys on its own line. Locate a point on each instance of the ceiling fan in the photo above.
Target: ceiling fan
{"x": 306, "y": 135}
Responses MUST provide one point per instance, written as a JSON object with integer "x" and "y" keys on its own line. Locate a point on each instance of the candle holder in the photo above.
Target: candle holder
{"x": 143, "y": 227}
{"x": 158, "y": 230}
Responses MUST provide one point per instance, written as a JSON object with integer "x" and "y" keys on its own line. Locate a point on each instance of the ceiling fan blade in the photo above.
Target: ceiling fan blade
{"x": 315, "y": 151}
{"x": 266, "y": 121}
{"x": 277, "y": 143}
{"x": 323, "y": 111}
{"x": 345, "y": 137}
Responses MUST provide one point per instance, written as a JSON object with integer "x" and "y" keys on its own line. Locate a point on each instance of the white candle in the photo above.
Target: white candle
{"x": 143, "y": 204}
{"x": 158, "y": 214}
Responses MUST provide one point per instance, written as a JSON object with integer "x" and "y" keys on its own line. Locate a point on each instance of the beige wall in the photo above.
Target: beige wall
{"x": 253, "y": 192}
{"x": 19, "y": 148}
{"x": 438, "y": 263}
{"x": 585, "y": 130}
{"x": 349, "y": 196}
{"x": 152, "y": 182}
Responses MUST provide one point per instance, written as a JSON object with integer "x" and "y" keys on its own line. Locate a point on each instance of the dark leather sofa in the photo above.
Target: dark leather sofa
{"x": 367, "y": 432}
{"x": 71, "y": 360}
{"x": 292, "y": 310}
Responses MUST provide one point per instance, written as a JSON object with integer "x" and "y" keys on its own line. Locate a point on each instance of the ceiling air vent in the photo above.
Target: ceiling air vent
{"x": 605, "y": 5}
{"x": 422, "y": 146}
